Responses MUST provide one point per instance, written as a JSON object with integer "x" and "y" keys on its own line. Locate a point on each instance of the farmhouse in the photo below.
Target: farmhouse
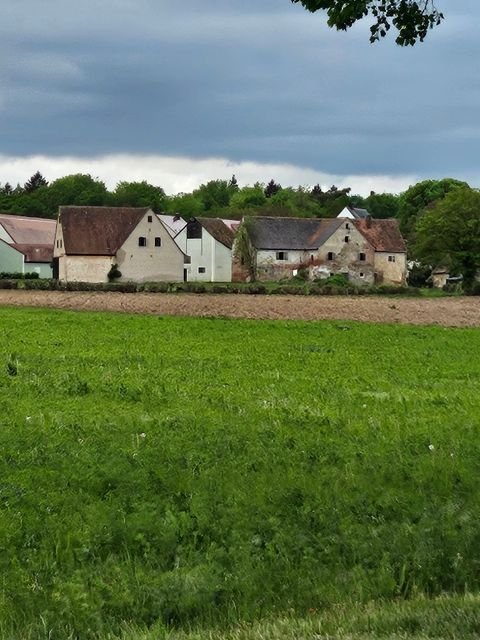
{"x": 26, "y": 244}
{"x": 366, "y": 251}
{"x": 208, "y": 242}
{"x": 91, "y": 242}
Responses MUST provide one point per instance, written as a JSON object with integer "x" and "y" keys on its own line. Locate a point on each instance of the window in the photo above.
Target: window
{"x": 142, "y": 241}
{"x": 361, "y": 274}
{"x": 330, "y": 255}
{"x": 362, "y": 257}
{"x": 312, "y": 257}
{"x": 391, "y": 258}
{"x": 150, "y": 219}
{"x": 347, "y": 226}
{"x": 158, "y": 242}
{"x": 194, "y": 230}
{"x": 347, "y": 239}
{"x": 282, "y": 255}
{"x": 201, "y": 269}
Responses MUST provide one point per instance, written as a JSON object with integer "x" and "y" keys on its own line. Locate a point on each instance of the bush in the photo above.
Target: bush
{"x": 17, "y": 275}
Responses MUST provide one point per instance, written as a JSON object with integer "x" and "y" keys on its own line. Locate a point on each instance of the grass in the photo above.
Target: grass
{"x": 201, "y": 474}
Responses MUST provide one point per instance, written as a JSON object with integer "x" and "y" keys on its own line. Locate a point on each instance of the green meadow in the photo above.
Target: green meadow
{"x": 210, "y": 478}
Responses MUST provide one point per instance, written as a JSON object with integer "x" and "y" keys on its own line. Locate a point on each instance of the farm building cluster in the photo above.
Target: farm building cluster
{"x": 98, "y": 244}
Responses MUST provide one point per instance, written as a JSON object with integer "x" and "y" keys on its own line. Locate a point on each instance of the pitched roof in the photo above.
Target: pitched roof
{"x": 291, "y": 233}
{"x": 383, "y": 235}
{"x": 358, "y": 213}
{"x": 219, "y": 230}
{"x": 35, "y": 253}
{"x": 97, "y": 231}
{"x": 26, "y": 230}
{"x": 173, "y": 224}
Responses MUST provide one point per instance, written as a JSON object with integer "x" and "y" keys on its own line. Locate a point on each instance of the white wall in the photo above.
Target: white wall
{"x": 84, "y": 268}
{"x": 209, "y": 254}
{"x": 150, "y": 263}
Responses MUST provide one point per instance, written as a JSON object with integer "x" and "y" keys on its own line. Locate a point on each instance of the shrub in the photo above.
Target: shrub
{"x": 114, "y": 273}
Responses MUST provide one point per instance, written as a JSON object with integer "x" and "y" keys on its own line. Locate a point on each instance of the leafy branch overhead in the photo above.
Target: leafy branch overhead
{"x": 412, "y": 18}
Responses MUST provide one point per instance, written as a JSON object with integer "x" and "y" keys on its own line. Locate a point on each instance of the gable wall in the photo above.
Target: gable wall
{"x": 150, "y": 263}
{"x": 346, "y": 256}
{"x": 207, "y": 253}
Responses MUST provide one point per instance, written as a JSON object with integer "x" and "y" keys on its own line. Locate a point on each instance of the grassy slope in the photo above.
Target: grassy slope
{"x": 197, "y": 471}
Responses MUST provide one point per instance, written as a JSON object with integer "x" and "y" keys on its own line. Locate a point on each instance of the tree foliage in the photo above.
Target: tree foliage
{"x": 139, "y": 194}
{"x": 448, "y": 234}
{"x": 416, "y": 198}
{"x": 411, "y": 18}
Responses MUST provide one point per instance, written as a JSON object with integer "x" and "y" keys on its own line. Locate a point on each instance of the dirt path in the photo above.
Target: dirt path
{"x": 450, "y": 312}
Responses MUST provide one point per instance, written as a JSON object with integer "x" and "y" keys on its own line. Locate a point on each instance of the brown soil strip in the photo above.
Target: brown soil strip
{"x": 448, "y": 312}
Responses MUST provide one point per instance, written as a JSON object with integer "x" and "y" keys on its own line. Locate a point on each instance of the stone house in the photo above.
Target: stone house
{"x": 366, "y": 251}
{"x": 89, "y": 241}
{"x": 26, "y": 244}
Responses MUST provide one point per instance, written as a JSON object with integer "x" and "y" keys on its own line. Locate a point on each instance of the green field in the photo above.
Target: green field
{"x": 196, "y": 473}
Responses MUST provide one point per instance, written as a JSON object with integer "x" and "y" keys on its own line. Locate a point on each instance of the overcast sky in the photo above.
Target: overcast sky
{"x": 183, "y": 91}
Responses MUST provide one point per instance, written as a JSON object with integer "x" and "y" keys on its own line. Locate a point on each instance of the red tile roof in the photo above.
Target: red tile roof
{"x": 383, "y": 235}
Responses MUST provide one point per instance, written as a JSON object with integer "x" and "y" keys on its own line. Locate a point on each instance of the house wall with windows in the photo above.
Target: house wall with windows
{"x": 210, "y": 260}
{"x": 150, "y": 254}
{"x": 272, "y": 264}
{"x": 345, "y": 252}
{"x": 391, "y": 268}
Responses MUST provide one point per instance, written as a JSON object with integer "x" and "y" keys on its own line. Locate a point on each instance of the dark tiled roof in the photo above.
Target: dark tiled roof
{"x": 291, "y": 233}
{"x": 358, "y": 213}
{"x": 26, "y": 230}
{"x": 98, "y": 231}
{"x": 219, "y": 230}
{"x": 35, "y": 253}
{"x": 383, "y": 235}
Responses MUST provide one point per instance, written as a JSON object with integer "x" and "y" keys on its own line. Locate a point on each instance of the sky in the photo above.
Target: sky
{"x": 178, "y": 92}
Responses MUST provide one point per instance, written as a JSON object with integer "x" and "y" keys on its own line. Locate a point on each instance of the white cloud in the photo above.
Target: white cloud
{"x": 177, "y": 174}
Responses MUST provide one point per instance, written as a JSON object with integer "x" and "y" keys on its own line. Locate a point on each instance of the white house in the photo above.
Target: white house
{"x": 208, "y": 243}
{"x": 92, "y": 241}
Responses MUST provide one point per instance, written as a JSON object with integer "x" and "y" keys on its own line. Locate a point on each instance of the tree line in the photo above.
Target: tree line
{"x": 440, "y": 219}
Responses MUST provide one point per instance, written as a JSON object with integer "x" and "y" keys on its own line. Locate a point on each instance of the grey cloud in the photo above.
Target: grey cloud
{"x": 231, "y": 78}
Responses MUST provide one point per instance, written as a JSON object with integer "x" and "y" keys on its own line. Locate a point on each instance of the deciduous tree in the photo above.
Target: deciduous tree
{"x": 411, "y": 18}
{"x": 448, "y": 233}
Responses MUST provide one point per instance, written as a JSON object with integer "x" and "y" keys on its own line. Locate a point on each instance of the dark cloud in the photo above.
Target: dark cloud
{"x": 248, "y": 80}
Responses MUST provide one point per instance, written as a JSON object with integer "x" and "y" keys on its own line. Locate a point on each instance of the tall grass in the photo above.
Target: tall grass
{"x": 185, "y": 472}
